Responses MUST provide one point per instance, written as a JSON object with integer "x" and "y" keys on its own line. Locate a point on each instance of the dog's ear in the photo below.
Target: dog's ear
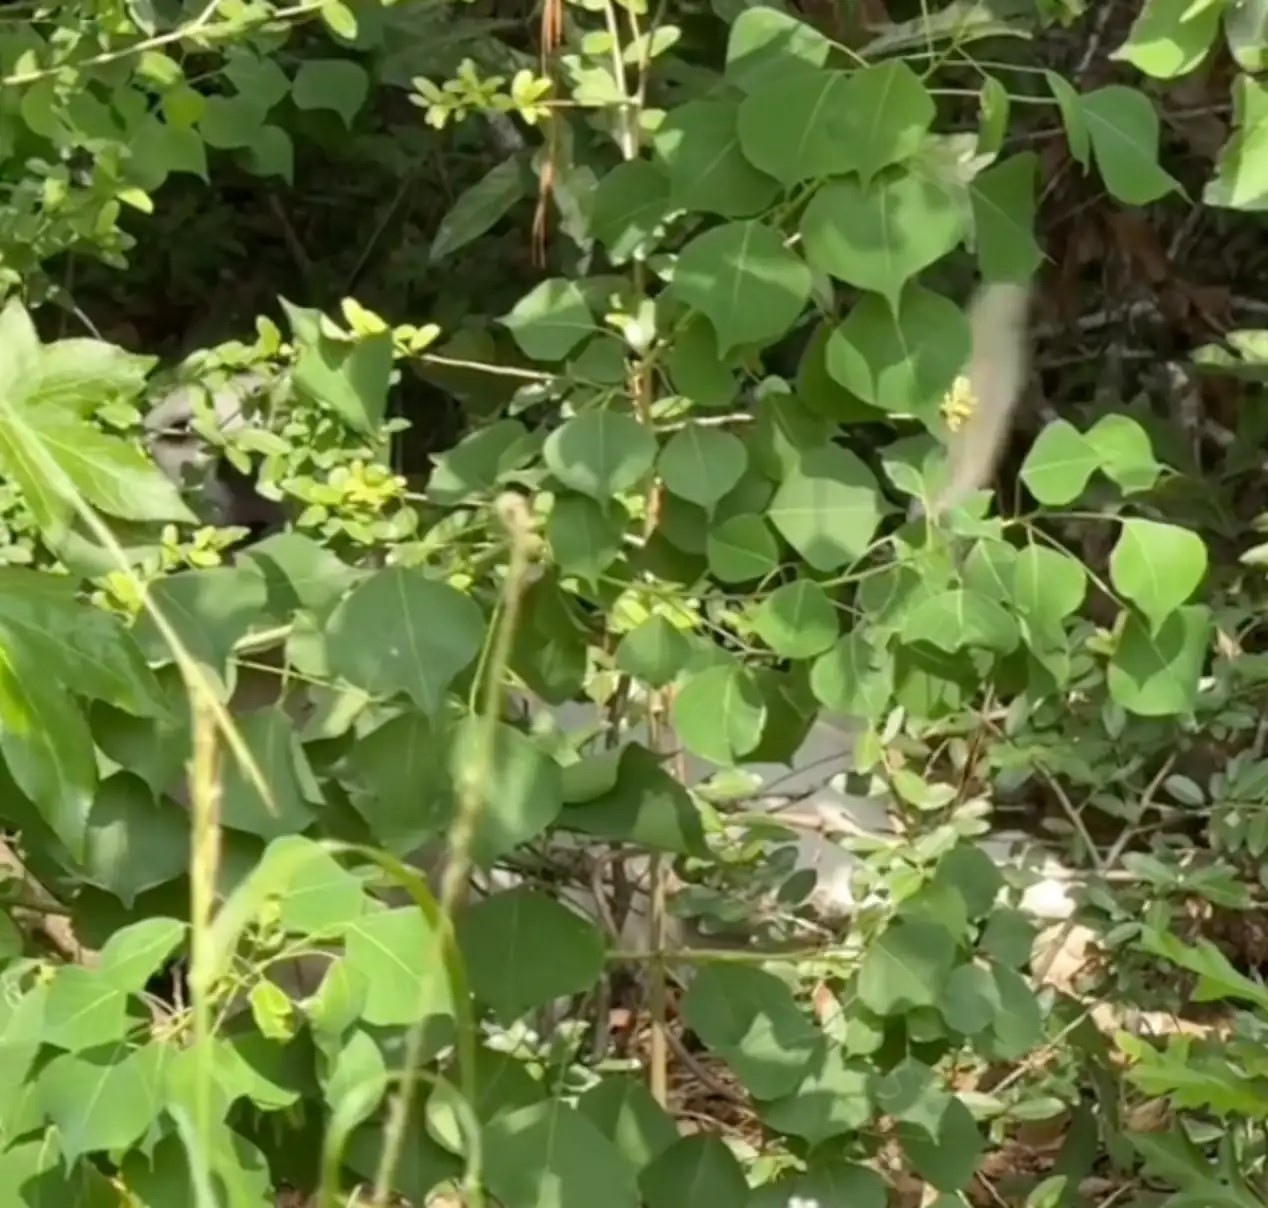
{"x": 999, "y": 318}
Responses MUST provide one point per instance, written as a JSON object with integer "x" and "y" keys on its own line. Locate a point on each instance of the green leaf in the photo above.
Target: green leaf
{"x": 352, "y": 379}
{"x": 300, "y": 574}
{"x": 878, "y": 238}
{"x": 892, "y": 114}
{"x": 902, "y": 359}
{"x": 479, "y": 208}
{"x": 337, "y": 84}
{"x": 1217, "y": 978}
{"x": 80, "y": 376}
{"x": 1019, "y": 1024}
{"x": 826, "y": 1180}
{"x": 1009, "y": 936}
{"x": 521, "y": 786}
{"x": 601, "y": 453}
{"x": 906, "y": 967}
{"x": 828, "y": 508}
{"x": 133, "y": 954}
{"x": 103, "y": 1102}
{"x": 818, "y": 105}
{"x": 1157, "y": 567}
{"x": 1246, "y": 29}
{"x": 1156, "y": 674}
{"x": 269, "y": 735}
{"x": 1241, "y": 175}
{"x": 398, "y": 955}
{"x": 797, "y": 620}
{"x": 970, "y": 999}
{"x": 743, "y": 278}
{"x": 271, "y": 153}
{"x": 584, "y": 537}
{"x": 695, "y": 368}
{"x": 551, "y": 320}
{"x": 399, "y": 631}
{"x": 953, "y": 619}
{"x": 629, "y": 205}
{"x": 974, "y": 875}
{"x": 1071, "y": 106}
{"x": 476, "y": 464}
{"x": 855, "y": 678}
{"x": 766, "y": 43}
{"x": 548, "y": 1154}
{"x": 707, "y": 172}
{"x": 47, "y": 746}
{"x": 742, "y": 549}
{"x": 831, "y": 1100}
{"x": 210, "y": 610}
{"x": 231, "y": 123}
{"x": 523, "y": 950}
{"x": 818, "y": 394}
{"x": 700, "y": 1169}
{"x": 646, "y": 806}
{"x": 1048, "y": 586}
{"x": 1125, "y": 451}
{"x": 947, "y": 1159}
{"x": 1004, "y": 202}
{"x": 702, "y": 464}
{"x": 1170, "y": 38}
{"x": 1123, "y": 126}
{"x": 718, "y": 713}
{"x": 995, "y": 104}
{"x": 1059, "y": 464}
{"x": 83, "y": 1009}
{"x": 654, "y": 652}
{"x": 623, "y": 1110}
{"x": 750, "y": 1019}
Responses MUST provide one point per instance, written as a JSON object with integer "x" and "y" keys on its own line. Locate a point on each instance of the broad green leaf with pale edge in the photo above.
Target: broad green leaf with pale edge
{"x": 1003, "y": 219}
{"x": 340, "y": 85}
{"x": 701, "y": 464}
{"x": 83, "y": 1010}
{"x": 767, "y": 43}
{"x": 994, "y": 103}
{"x": 1246, "y": 29}
{"x": 1171, "y": 37}
{"x": 744, "y": 280}
{"x": 828, "y": 1180}
{"x": 103, "y": 1103}
{"x": 1156, "y": 674}
{"x": 352, "y": 379}
{"x": 1157, "y": 566}
{"x": 1241, "y": 175}
{"x": 548, "y": 1155}
{"x": 551, "y": 320}
{"x": 947, "y": 1158}
{"x": 718, "y": 713}
{"x": 133, "y": 842}
{"x": 750, "y": 1019}
{"x": 523, "y": 950}
{"x": 797, "y": 620}
{"x": 1125, "y": 451}
{"x": 880, "y": 237}
{"x": 654, "y": 652}
{"x": 951, "y": 620}
{"x": 398, "y": 955}
{"x": 1059, "y": 464}
{"x": 1048, "y": 585}
{"x": 854, "y": 678}
{"x": 600, "y": 453}
{"x": 828, "y": 508}
{"x": 584, "y": 537}
{"x": 475, "y": 464}
{"x": 47, "y": 746}
{"x": 893, "y": 112}
{"x": 479, "y": 208}
{"x": 695, "y": 368}
{"x": 399, "y": 631}
{"x": 814, "y": 104}
{"x": 520, "y": 784}
{"x": 708, "y": 173}
{"x": 906, "y": 967}
{"x": 623, "y": 1110}
{"x": 831, "y": 1101}
{"x": 1123, "y": 126}
{"x": 904, "y": 359}
{"x": 629, "y": 204}
{"x": 1076, "y": 131}
{"x": 742, "y": 549}
{"x": 700, "y": 1169}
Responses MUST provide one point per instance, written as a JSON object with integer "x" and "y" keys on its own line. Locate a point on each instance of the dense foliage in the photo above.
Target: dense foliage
{"x": 596, "y": 356}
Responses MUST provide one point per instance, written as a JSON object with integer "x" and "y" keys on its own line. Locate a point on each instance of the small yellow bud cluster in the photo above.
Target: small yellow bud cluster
{"x": 959, "y": 404}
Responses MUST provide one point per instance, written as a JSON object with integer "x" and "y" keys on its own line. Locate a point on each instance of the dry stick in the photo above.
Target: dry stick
{"x": 472, "y": 787}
